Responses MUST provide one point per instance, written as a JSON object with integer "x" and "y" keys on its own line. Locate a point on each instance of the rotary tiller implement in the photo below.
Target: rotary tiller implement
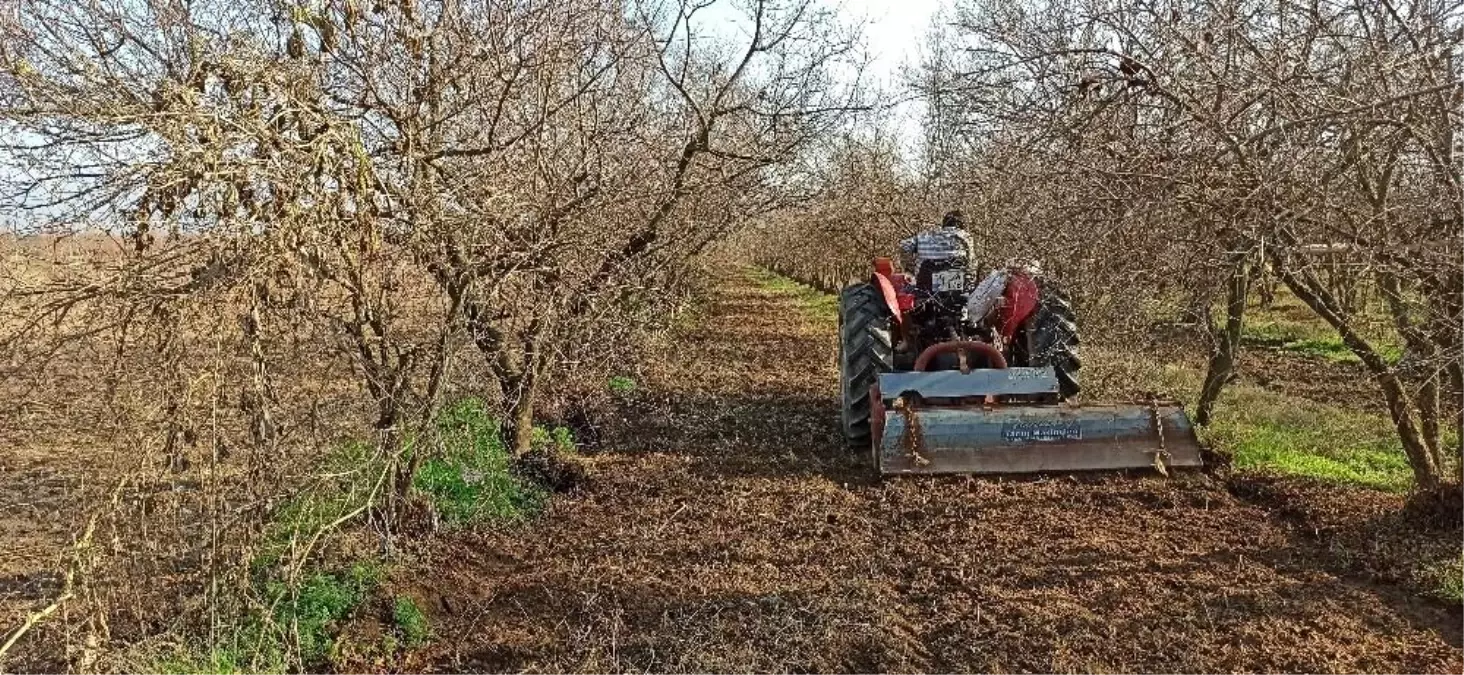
{"x": 931, "y": 393}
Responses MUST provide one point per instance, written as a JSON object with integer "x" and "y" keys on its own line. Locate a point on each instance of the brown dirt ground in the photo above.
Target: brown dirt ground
{"x": 1312, "y": 377}
{"x": 725, "y": 529}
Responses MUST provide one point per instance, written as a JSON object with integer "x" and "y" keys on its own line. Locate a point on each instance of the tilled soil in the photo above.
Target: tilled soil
{"x": 1346, "y": 385}
{"x": 724, "y": 528}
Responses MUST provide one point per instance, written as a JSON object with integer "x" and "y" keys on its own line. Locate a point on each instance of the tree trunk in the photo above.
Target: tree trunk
{"x": 519, "y": 379}
{"x": 1456, "y": 382}
{"x": 1264, "y": 283}
{"x": 1223, "y": 359}
{"x": 1428, "y": 413}
{"x": 518, "y": 429}
{"x": 1447, "y": 339}
{"x": 1424, "y": 351}
{"x": 1314, "y": 293}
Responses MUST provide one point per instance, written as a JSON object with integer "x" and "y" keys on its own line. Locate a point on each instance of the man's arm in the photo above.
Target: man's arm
{"x": 970, "y": 246}
{"x": 908, "y": 248}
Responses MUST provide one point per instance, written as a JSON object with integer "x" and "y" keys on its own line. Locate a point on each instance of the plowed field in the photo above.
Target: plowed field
{"x": 724, "y": 528}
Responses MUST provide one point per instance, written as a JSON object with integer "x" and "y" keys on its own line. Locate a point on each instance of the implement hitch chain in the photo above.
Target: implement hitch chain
{"x": 913, "y": 439}
{"x": 1161, "y": 455}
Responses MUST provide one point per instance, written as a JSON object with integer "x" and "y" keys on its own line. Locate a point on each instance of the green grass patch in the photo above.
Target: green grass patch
{"x": 1326, "y": 348}
{"x": 312, "y": 612}
{"x": 466, "y": 477}
{"x": 1333, "y": 349}
{"x": 412, "y": 626}
{"x": 1292, "y": 326}
{"x": 299, "y": 600}
{"x": 1446, "y": 579}
{"x": 1264, "y": 331}
{"x": 555, "y": 439}
{"x": 349, "y": 478}
{"x": 816, "y": 304}
{"x": 1275, "y": 433}
{"x": 216, "y": 661}
{"x": 1264, "y": 430}
{"x": 1308, "y": 340}
{"x": 468, "y": 480}
{"x": 291, "y": 625}
{"x": 622, "y": 385}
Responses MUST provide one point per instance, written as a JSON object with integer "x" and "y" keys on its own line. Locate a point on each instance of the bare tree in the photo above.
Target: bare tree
{"x": 1252, "y": 130}
{"x": 304, "y": 195}
{"x": 1160, "y": 157}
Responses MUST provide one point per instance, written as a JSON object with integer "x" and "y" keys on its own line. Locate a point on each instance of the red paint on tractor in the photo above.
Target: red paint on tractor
{"x": 902, "y": 283}
{"x": 994, "y": 359}
{"x": 1020, "y": 299}
{"x": 891, "y": 298}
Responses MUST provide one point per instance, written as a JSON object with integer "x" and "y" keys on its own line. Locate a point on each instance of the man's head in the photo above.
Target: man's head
{"x": 953, "y": 219}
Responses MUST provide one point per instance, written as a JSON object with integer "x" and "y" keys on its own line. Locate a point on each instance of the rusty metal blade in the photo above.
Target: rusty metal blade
{"x": 1036, "y": 439}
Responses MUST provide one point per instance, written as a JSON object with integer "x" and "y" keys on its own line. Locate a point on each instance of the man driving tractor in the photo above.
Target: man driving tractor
{"x": 943, "y": 260}
{"x": 945, "y": 247}
{"x": 918, "y": 355}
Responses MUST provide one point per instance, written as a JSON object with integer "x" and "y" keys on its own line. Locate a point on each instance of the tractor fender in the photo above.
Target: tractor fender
{"x": 1020, "y": 300}
{"x": 891, "y": 297}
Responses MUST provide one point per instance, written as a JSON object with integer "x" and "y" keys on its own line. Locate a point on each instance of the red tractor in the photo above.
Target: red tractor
{"x": 928, "y": 388}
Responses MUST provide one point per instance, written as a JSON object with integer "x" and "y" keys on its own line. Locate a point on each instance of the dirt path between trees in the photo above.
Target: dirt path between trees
{"x": 725, "y": 529}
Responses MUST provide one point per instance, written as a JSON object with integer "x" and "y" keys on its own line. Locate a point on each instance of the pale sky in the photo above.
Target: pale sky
{"x": 894, "y": 34}
{"x": 895, "y": 30}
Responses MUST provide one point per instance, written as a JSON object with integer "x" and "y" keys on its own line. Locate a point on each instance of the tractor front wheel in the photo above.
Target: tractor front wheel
{"x": 865, "y": 351}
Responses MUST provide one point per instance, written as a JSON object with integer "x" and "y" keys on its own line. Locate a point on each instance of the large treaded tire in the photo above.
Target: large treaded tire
{"x": 1054, "y": 338}
{"x": 865, "y": 351}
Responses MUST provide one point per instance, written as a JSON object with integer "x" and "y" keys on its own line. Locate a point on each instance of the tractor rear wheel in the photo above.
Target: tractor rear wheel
{"x": 1053, "y": 336}
{"x": 865, "y": 351}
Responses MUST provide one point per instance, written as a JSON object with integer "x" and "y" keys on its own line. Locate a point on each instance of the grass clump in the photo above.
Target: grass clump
{"x": 1446, "y": 579}
{"x": 1268, "y": 431}
{"x": 215, "y": 661}
{"x": 469, "y": 479}
{"x": 1275, "y": 329}
{"x": 553, "y": 439}
{"x": 301, "y": 600}
{"x": 312, "y": 611}
{"x": 411, "y": 623}
{"x": 1333, "y": 349}
{"x": 815, "y": 303}
{"x": 350, "y": 477}
{"x": 622, "y": 385}
{"x": 293, "y": 627}
{"x": 292, "y": 619}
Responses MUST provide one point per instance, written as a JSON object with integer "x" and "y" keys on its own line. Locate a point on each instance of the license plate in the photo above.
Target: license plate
{"x": 948, "y": 280}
